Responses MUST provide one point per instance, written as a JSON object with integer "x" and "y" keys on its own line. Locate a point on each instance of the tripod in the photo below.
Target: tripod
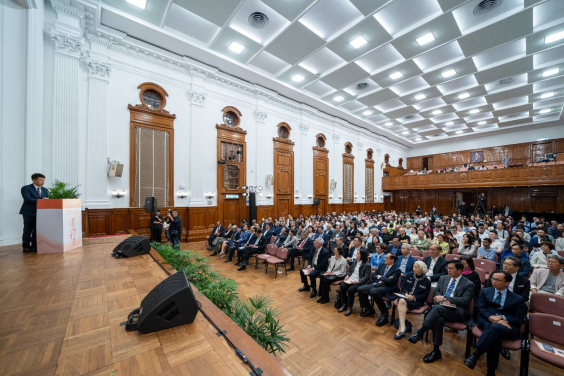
{"x": 480, "y": 208}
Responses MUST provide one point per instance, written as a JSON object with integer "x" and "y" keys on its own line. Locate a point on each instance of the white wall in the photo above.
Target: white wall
{"x": 488, "y": 140}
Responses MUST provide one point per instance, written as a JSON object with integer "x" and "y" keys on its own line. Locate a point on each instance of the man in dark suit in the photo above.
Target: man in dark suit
{"x": 241, "y": 249}
{"x": 156, "y": 227}
{"x": 384, "y": 283}
{"x": 436, "y": 265}
{"x": 268, "y": 232}
{"x": 256, "y": 247}
{"x": 304, "y": 249}
{"x": 31, "y": 193}
{"x": 395, "y": 247}
{"x": 405, "y": 261}
{"x": 519, "y": 285}
{"x": 500, "y": 316}
{"x": 452, "y": 297}
{"x": 281, "y": 238}
{"x": 356, "y": 247}
{"x": 317, "y": 265}
{"x": 217, "y": 231}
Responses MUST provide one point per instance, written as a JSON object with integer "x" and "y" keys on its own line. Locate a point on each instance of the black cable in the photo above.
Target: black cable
{"x": 237, "y": 351}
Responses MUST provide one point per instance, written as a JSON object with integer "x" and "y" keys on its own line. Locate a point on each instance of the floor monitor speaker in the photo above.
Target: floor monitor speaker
{"x": 132, "y": 246}
{"x": 171, "y": 303}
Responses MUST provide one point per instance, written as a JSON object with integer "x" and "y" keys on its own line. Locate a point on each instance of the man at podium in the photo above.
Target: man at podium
{"x": 31, "y": 193}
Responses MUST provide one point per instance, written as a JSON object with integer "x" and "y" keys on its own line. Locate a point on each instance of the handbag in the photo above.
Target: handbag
{"x": 338, "y": 302}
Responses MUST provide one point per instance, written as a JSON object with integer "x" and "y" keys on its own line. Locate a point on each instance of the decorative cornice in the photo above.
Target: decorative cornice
{"x": 197, "y": 98}
{"x": 147, "y": 110}
{"x": 230, "y": 129}
{"x": 284, "y": 140}
{"x": 348, "y": 155}
{"x": 66, "y": 43}
{"x": 336, "y": 138}
{"x": 261, "y": 116}
{"x": 304, "y": 128}
{"x": 96, "y": 68}
{"x": 66, "y": 7}
{"x": 319, "y": 148}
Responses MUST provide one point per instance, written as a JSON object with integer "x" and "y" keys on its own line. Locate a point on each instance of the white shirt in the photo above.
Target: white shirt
{"x": 432, "y": 266}
{"x": 458, "y": 236}
{"x": 355, "y": 274}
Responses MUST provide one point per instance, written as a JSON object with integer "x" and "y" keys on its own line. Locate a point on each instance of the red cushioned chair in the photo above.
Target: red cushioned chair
{"x": 482, "y": 273}
{"x": 547, "y": 303}
{"x": 426, "y": 254}
{"x": 451, "y": 257}
{"x": 548, "y": 328}
{"x": 487, "y": 265}
{"x": 460, "y": 326}
{"x": 271, "y": 250}
{"x": 420, "y": 311}
{"x": 280, "y": 258}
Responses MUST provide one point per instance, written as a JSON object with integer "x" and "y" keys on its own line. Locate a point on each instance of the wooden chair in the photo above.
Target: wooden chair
{"x": 280, "y": 258}
{"x": 549, "y": 328}
{"x": 482, "y": 273}
{"x": 462, "y": 326}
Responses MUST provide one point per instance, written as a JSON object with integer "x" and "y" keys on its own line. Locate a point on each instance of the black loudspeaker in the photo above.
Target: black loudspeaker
{"x": 150, "y": 204}
{"x": 171, "y": 303}
{"x": 316, "y": 201}
{"x": 132, "y": 246}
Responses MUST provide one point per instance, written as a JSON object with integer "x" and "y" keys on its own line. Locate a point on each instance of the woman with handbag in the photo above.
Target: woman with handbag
{"x": 359, "y": 275}
{"x": 336, "y": 271}
{"x": 415, "y": 287}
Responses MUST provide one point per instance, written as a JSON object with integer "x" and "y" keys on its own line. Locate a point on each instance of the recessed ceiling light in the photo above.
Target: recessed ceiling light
{"x": 418, "y": 139}
{"x": 388, "y": 124}
{"x": 463, "y": 95}
{"x": 547, "y": 95}
{"x": 546, "y": 110}
{"x": 396, "y": 75}
{"x": 475, "y": 111}
{"x": 449, "y": 123}
{"x": 298, "y": 78}
{"x": 420, "y": 96}
{"x": 481, "y": 122}
{"x": 458, "y": 132}
{"x": 448, "y": 73}
{"x": 550, "y": 72}
{"x": 358, "y": 42}
{"x": 338, "y": 98}
{"x": 236, "y": 47}
{"x": 405, "y": 132}
{"x": 437, "y": 112}
{"x": 554, "y": 37}
{"x": 425, "y": 39}
{"x": 367, "y": 113}
{"x": 138, "y": 3}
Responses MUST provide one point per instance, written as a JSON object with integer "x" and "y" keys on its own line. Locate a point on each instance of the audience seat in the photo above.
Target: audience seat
{"x": 271, "y": 250}
{"x": 509, "y": 344}
{"x": 548, "y": 328}
{"x": 420, "y": 311}
{"x": 487, "y": 265}
{"x": 426, "y": 254}
{"x": 482, "y": 273}
{"x": 547, "y": 303}
{"x": 280, "y": 258}
{"x": 450, "y": 257}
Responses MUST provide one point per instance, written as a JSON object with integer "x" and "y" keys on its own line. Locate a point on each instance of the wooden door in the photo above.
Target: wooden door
{"x": 387, "y": 203}
{"x": 230, "y": 211}
{"x": 321, "y": 177}
{"x": 283, "y": 172}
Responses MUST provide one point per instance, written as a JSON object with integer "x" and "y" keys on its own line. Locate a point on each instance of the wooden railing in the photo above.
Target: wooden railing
{"x": 507, "y": 177}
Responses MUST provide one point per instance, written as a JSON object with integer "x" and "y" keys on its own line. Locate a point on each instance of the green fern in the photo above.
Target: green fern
{"x": 61, "y": 190}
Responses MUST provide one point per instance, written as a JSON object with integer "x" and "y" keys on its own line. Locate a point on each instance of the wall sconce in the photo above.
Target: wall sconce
{"x": 260, "y": 194}
{"x": 209, "y": 195}
{"x": 363, "y": 197}
{"x": 355, "y": 197}
{"x": 340, "y": 197}
{"x": 330, "y": 197}
{"x": 381, "y": 197}
{"x": 333, "y": 184}
{"x": 269, "y": 179}
{"x": 118, "y": 193}
{"x": 310, "y": 196}
{"x": 181, "y": 194}
{"x": 268, "y": 195}
{"x": 296, "y": 196}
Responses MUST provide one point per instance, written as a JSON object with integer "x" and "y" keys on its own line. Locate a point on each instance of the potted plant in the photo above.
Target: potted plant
{"x": 59, "y": 219}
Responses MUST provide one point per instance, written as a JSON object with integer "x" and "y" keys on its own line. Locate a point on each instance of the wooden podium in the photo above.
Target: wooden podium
{"x": 59, "y": 225}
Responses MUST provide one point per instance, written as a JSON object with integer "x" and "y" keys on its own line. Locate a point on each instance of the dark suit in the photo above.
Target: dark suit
{"x": 350, "y": 254}
{"x": 439, "y": 269}
{"x": 261, "y": 246}
{"x": 319, "y": 267}
{"x": 390, "y": 249}
{"x": 348, "y": 291}
{"x": 241, "y": 248}
{"x": 385, "y": 285}
{"x": 521, "y": 287}
{"x": 461, "y": 297}
{"x": 156, "y": 228}
{"x": 514, "y": 310}
{"x": 280, "y": 239}
{"x": 409, "y": 266}
{"x": 305, "y": 251}
{"x": 29, "y": 212}
{"x": 214, "y": 234}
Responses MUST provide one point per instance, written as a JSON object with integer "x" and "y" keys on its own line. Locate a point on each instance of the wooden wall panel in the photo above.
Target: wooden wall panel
{"x": 283, "y": 175}
{"x": 265, "y": 211}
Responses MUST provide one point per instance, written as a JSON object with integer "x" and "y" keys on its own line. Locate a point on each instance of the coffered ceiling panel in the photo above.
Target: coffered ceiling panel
{"x": 287, "y": 48}
{"x": 215, "y": 11}
{"x": 328, "y": 17}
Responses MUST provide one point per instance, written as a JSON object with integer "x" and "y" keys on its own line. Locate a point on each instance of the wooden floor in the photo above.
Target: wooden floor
{"x": 60, "y": 314}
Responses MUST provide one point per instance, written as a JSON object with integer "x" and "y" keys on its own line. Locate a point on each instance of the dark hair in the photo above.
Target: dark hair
{"x": 382, "y": 246}
{"x": 469, "y": 260}
{"x": 37, "y": 175}
{"x": 518, "y": 245}
{"x": 549, "y": 244}
{"x": 457, "y": 264}
{"x": 293, "y": 231}
{"x": 395, "y": 237}
{"x": 341, "y": 250}
{"x": 515, "y": 260}
{"x": 258, "y": 230}
{"x": 393, "y": 257}
{"x": 357, "y": 238}
{"x": 493, "y": 231}
{"x": 508, "y": 277}
{"x": 363, "y": 255}
{"x": 487, "y": 240}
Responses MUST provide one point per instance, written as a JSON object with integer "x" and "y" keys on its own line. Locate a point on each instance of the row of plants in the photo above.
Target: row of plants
{"x": 256, "y": 316}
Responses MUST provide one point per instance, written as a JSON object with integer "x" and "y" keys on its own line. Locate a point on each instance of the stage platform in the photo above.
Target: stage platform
{"x": 61, "y": 313}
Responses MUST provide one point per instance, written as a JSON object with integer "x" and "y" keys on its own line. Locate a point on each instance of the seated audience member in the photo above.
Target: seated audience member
{"x": 551, "y": 280}
{"x": 384, "y": 284}
{"x": 242, "y": 246}
{"x": 405, "y": 261}
{"x": 291, "y": 241}
{"x": 336, "y": 271}
{"x": 230, "y": 242}
{"x": 466, "y": 246}
{"x": 486, "y": 252}
{"x": 415, "y": 287}
{"x": 386, "y": 236}
{"x": 525, "y": 268}
{"x": 354, "y": 248}
{"x": 281, "y": 238}
{"x": 395, "y": 247}
{"x": 540, "y": 233}
{"x": 497, "y": 244}
{"x": 500, "y": 316}
{"x": 436, "y": 265}
{"x": 422, "y": 243}
{"x": 217, "y": 231}
{"x": 456, "y": 234}
{"x": 469, "y": 272}
{"x": 317, "y": 265}
{"x": 258, "y": 246}
{"x": 378, "y": 256}
{"x": 217, "y": 244}
{"x": 507, "y": 248}
{"x": 373, "y": 240}
{"x": 452, "y": 289}
{"x": 450, "y": 239}
{"x": 303, "y": 249}
{"x": 359, "y": 275}
{"x": 403, "y": 237}
{"x": 412, "y": 234}
{"x": 539, "y": 259}
{"x": 559, "y": 244}
{"x": 441, "y": 241}
{"x": 519, "y": 285}
{"x": 482, "y": 232}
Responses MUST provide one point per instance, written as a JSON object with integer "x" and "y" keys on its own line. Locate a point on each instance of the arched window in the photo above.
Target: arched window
{"x": 386, "y": 158}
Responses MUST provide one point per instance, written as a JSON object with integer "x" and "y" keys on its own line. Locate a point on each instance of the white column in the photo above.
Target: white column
{"x": 197, "y": 119}
{"x": 34, "y": 91}
{"x": 262, "y": 167}
{"x": 65, "y": 107}
{"x": 336, "y": 171}
{"x": 305, "y": 154}
{"x": 97, "y": 135}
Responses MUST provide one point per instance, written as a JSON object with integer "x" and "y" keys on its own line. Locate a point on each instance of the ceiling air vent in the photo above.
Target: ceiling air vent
{"x": 516, "y": 114}
{"x": 409, "y": 117}
{"x": 258, "y": 20}
{"x": 362, "y": 85}
{"x": 437, "y": 135}
{"x": 506, "y": 81}
{"x": 486, "y": 5}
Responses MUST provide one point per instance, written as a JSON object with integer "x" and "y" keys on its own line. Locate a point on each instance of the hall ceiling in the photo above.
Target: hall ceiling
{"x": 479, "y": 67}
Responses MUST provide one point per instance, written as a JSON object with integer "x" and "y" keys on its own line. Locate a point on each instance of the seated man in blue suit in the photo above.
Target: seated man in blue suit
{"x": 405, "y": 261}
{"x": 31, "y": 193}
{"x": 395, "y": 247}
{"x": 500, "y": 316}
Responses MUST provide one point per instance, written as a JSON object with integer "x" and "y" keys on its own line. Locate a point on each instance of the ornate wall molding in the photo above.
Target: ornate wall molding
{"x": 66, "y": 44}
{"x": 97, "y": 69}
{"x": 304, "y": 128}
{"x": 261, "y": 116}
{"x": 197, "y": 98}
{"x": 378, "y": 151}
{"x": 336, "y": 138}
{"x": 360, "y": 145}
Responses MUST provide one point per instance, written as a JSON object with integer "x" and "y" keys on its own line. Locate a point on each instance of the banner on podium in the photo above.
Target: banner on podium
{"x": 59, "y": 225}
